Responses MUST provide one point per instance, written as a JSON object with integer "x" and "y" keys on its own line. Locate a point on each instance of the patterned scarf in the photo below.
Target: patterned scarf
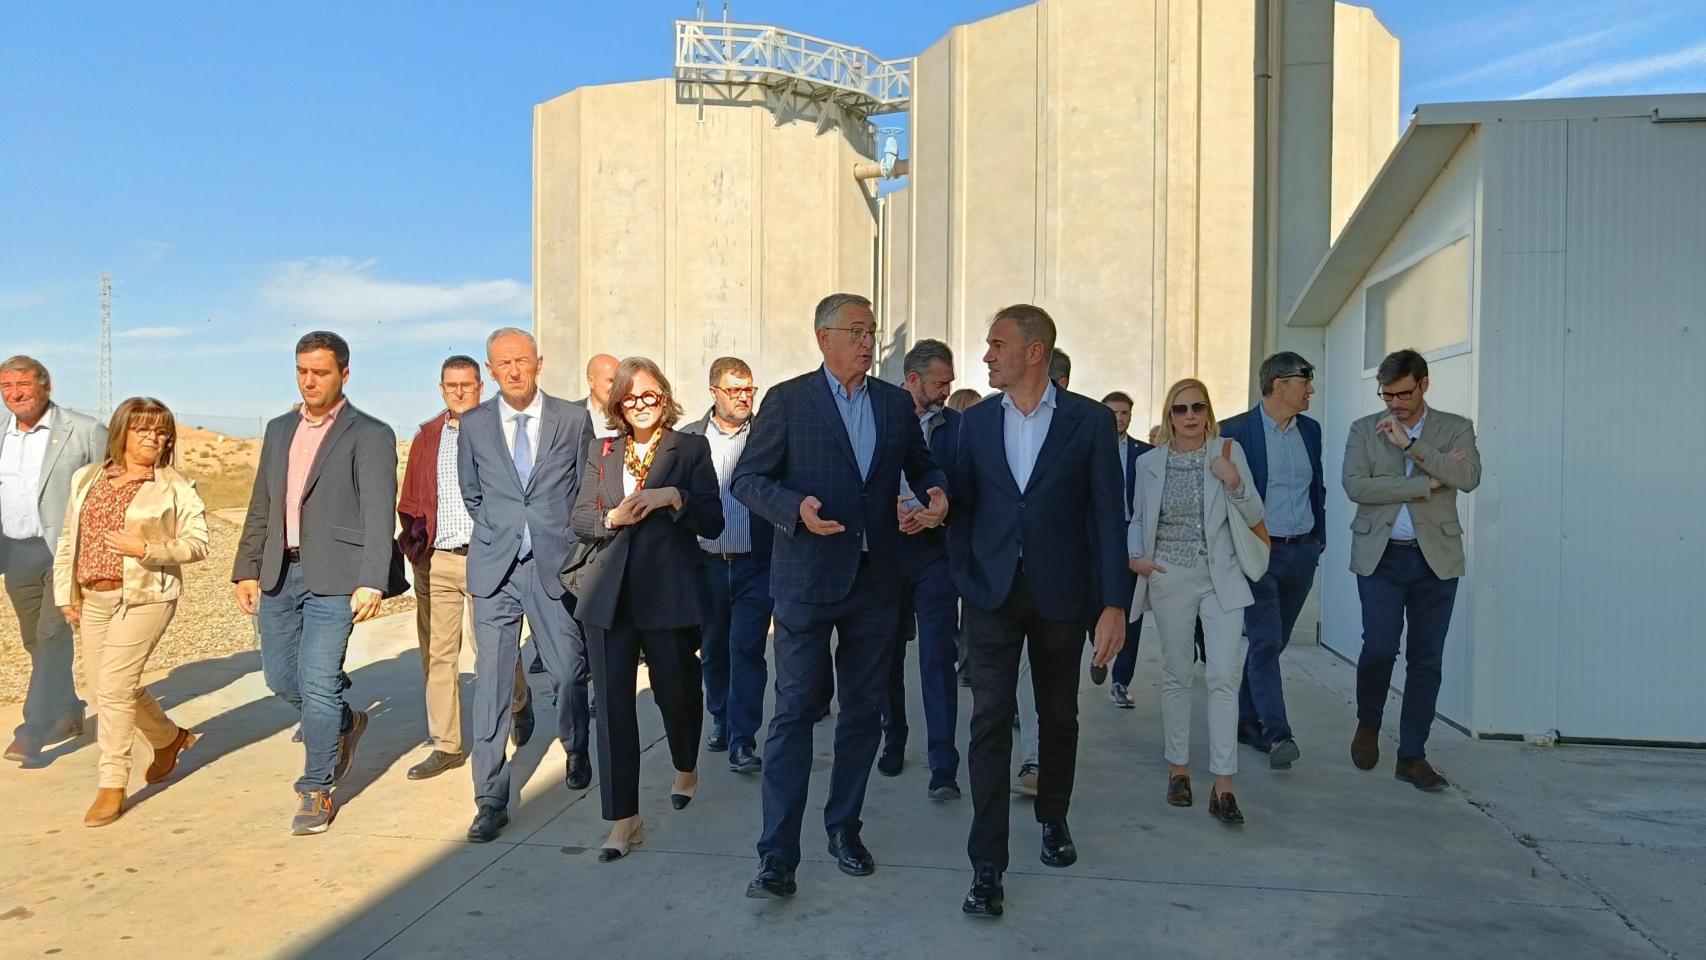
{"x": 637, "y": 465}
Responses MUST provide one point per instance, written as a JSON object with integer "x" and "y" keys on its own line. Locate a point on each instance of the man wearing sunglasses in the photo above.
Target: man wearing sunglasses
{"x": 1283, "y": 448}
{"x": 1403, "y": 469}
{"x": 823, "y": 466}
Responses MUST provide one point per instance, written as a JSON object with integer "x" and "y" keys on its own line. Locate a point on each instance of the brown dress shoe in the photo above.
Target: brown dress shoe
{"x": 166, "y": 758}
{"x": 21, "y": 749}
{"x": 1365, "y": 747}
{"x": 108, "y": 805}
{"x": 1179, "y": 791}
{"x": 1420, "y": 774}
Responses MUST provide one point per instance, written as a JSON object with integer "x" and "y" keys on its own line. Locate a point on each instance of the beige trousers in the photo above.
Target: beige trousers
{"x": 1178, "y": 599}
{"x": 442, "y": 607}
{"x": 117, "y": 641}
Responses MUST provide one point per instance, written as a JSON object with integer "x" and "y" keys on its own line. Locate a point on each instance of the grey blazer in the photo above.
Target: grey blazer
{"x": 1374, "y": 480}
{"x": 1230, "y": 586}
{"x": 349, "y": 508}
{"x": 73, "y": 441}
{"x": 502, "y": 507}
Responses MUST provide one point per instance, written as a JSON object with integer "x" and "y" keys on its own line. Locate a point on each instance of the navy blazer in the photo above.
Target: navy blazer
{"x": 1247, "y": 428}
{"x": 501, "y": 506}
{"x": 657, "y": 562}
{"x": 1068, "y": 520}
{"x": 758, "y": 528}
{"x": 1134, "y": 448}
{"x": 798, "y": 448}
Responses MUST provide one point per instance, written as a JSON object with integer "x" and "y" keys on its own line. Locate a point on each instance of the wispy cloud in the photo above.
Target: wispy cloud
{"x": 1619, "y": 76}
{"x": 1526, "y": 63}
{"x": 150, "y": 333}
{"x": 23, "y": 300}
{"x": 341, "y": 290}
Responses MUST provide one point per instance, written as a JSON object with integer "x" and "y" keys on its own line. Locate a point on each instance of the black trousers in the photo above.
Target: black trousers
{"x": 673, "y": 663}
{"x": 995, "y": 639}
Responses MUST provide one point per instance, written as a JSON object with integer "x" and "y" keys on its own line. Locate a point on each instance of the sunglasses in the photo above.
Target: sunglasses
{"x": 1180, "y": 409}
{"x": 650, "y": 398}
{"x": 747, "y": 392}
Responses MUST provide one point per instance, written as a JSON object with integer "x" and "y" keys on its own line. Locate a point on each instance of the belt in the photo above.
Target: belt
{"x": 1297, "y": 539}
{"x": 459, "y": 551}
{"x": 1403, "y": 543}
{"x": 292, "y": 554}
{"x": 727, "y": 555}
{"x": 103, "y": 586}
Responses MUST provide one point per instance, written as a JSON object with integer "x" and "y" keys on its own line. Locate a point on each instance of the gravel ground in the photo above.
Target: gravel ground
{"x": 208, "y": 623}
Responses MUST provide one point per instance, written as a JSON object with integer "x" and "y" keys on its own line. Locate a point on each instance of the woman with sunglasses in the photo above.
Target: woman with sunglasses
{"x": 131, "y": 523}
{"x": 647, "y": 495}
{"x": 1190, "y": 490}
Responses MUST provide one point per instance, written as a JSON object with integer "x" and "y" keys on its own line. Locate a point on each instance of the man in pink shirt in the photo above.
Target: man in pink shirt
{"x": 316, "y": 557}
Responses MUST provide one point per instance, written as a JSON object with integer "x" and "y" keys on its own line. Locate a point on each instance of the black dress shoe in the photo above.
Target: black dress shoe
{"x": 743, "y": 760}
{"x": 891, "y": 761}
{"x": 1252, "y": 737}
{"x": 1058, "y": 849}
{"x": 1420, "y": 774}
{"x": 775, "y": 881}
{"x": 943, "y": 787}
{"x": 521, "y": 724}
{"x": 537, "y": 666}
{"x": 488, "y": 823}
{"x": 850, "y": 854}
{"x": 579, "y": 773}
{"x": 986, "y": 894}
{"x": 436, "y": 763}
{"x": 1098, "y": 675}
{"x": 1365, "y": 747}
{"x": 296, "y": 737}
{"x": 718, "y": 740}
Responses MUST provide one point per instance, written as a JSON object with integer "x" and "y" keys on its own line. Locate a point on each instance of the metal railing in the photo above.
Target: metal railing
{"x": 741, "y": 53}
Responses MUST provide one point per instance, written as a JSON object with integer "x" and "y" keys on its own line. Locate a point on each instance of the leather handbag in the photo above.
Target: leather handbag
{"x": 1251, "y": 543}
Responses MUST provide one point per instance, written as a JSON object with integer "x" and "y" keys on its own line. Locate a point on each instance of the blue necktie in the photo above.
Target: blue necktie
{"x": 523, "y": 469}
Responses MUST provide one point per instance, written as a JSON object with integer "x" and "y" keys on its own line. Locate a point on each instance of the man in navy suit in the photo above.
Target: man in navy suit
{"x": 1125, "y": 665}
{"x": 1036, "y": 552}
{"x": 519, "y": 465}
{"x": 823, "y": 466}
{"x": 927, "y": 595}
{"x": 1284, "y": 450}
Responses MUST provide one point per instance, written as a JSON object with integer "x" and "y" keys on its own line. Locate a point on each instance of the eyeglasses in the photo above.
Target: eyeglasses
{"x": 1402, "y": 396}
{"x": 161, "y": 433}
{"x": 1180, "y": 409}
{"x": 650, "y": 398}
{"x": 857, "y": 334}
{"x": 748, "y": 392}
{"x": 1300, "y": 375}
{"x": 459, "y": 387}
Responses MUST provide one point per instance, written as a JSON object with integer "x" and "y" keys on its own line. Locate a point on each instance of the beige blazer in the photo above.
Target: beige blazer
{"x": 1230, "y": 586}
{"x": 1374, "y": 480}
{"x": 167, "y": 513}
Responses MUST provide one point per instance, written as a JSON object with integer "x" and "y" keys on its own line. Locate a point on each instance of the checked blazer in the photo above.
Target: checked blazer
{"x": 799, "y": 447}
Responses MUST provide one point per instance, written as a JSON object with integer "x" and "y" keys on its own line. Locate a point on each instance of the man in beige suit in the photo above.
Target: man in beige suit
{"x": 1404, "y": 470}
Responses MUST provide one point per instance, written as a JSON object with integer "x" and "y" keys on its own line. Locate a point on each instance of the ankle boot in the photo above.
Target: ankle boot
{"x": 108, "y": 805}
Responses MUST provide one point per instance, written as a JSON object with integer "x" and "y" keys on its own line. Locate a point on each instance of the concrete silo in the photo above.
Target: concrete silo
{"x": 690, "y": 219}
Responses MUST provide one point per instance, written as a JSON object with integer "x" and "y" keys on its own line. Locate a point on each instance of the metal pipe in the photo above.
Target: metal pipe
{"x": 872, "y": 170}
{"x": 1260, "y": 301}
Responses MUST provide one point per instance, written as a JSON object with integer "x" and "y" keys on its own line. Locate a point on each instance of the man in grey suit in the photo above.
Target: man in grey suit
{"x": 41, "y": 445}
{"x": 519, "y": 464}
{"x": 1404, "y": 470}
{"x": 315, "y": 558}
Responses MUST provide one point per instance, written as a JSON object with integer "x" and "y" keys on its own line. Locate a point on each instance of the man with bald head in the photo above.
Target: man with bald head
{"x": 600, "y": 374}
{"x": 518, "y": 462}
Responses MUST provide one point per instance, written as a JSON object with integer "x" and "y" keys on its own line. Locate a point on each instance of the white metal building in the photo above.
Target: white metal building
{"x": 1549, "y": 259}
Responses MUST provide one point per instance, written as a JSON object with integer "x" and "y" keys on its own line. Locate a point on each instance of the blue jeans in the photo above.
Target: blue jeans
{"x": 303, "y": 639}
{"x": 929, "y": 597}
{"x": 731, "y": 645}
{"x": 1268, "y": 623}
{"x": 1403, "y": 588}
{"x": 806, "y": 671}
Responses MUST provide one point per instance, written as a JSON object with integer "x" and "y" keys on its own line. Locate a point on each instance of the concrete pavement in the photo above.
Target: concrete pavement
{"x": 1541, "y": 852}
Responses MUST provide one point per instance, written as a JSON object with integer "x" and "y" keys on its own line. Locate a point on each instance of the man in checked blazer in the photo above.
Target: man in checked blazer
{"x": 823, "y": 466}
{"x": 1404, "y": 470}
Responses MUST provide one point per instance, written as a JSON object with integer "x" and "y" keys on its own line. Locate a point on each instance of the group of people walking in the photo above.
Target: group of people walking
{"x": 1002, "y": 534}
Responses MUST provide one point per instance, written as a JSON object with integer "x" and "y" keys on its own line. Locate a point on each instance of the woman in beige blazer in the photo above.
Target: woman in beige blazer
{"x": 131, "y": 523}
{"x": 1190, "y": 489}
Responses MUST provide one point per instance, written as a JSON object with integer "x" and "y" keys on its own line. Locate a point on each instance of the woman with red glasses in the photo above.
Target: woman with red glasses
{"x": 1190, "y": 490}
{"x": 647, "y": 495}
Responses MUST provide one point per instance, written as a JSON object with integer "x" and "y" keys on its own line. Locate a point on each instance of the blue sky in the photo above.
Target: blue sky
{"x": 251, "y": 171}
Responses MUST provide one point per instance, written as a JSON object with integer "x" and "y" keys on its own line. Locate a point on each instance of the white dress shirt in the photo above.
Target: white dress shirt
{"x": 1403, "y": 528}
{"x": 533, "y": 411}
{"x": 1024, "y": 433}
{"x": 21, "y": 458}
{"x": 454, "y": 527}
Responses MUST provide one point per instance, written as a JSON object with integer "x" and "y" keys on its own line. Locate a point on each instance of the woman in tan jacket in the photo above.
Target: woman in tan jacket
{"x": 131, "y": 523}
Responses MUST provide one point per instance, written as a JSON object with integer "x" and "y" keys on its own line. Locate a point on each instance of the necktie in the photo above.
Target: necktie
{"x": 523, "y": 469}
